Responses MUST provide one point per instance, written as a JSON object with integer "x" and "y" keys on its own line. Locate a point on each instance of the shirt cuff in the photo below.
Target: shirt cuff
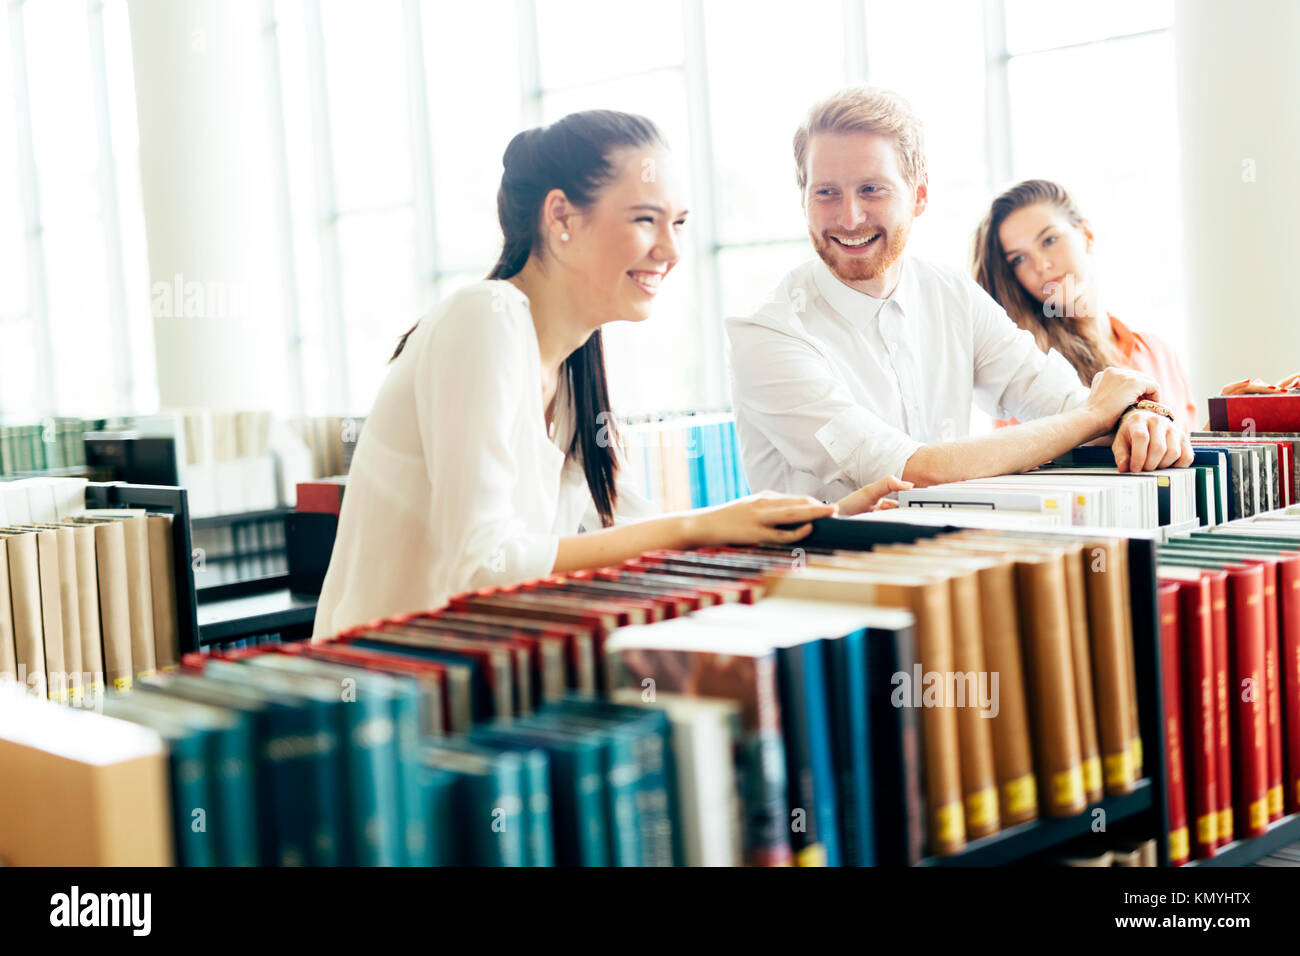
{"x": 863, "y": 452}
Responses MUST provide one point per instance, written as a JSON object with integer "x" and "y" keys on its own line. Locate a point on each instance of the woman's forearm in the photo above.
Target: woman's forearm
{"x": 597, "y": 549}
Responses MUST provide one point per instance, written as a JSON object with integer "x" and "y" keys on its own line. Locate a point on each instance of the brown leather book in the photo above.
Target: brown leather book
{"x": 927, "y": 596}
{"x": 1013, "y": 751}
{"x": 1077, "y": 606}
{"x": 25, "y": 592}
{"x": 1108, "y": 595}
{"x": 162, "y": 572}
{"x": 973, "y": 682}
{"x": 1049, "y": 658}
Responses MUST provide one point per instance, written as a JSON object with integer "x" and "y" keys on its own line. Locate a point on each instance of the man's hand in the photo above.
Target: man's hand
{"x": 1145, "y": 441}
{"x": 1115, "y": 389}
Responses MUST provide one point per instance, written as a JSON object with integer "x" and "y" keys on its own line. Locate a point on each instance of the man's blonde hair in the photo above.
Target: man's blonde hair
{"x": 865, "y": 109}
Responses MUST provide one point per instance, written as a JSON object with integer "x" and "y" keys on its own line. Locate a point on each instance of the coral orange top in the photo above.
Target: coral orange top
{"x": 1152, "y": 356}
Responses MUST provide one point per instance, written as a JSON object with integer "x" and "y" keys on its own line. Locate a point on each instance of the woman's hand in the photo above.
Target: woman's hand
{"x": 872, "y": 497}
{"x": 1115, "y": 389}
{"x": 1255, "y": 386}
{"x": 754, "y": 520}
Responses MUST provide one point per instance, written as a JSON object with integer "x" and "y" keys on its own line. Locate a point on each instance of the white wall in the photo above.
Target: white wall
{"x": 1239, "y": 130}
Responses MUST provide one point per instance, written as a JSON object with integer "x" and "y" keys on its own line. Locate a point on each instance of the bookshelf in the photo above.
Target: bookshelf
{"x": 1146, "y": 807}
{"x": 1280, "y": 833}
{"x": 1026, "y": 840}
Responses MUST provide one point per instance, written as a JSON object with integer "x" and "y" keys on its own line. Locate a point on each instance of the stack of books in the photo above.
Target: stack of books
{"x": 52, "y": 444}
{"x": 1230, "y": 636}
{"x": 88, "y": 597}
{"x": 685, "y": 462}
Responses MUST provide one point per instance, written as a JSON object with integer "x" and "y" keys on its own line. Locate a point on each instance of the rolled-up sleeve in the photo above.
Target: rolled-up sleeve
{"x": 792, "y": 395}
{"x": 468, "y": 400}
{"x": 1013, "y": 377}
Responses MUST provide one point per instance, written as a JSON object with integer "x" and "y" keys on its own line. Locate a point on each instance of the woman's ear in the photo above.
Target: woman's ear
{"x": 557, "y": 213}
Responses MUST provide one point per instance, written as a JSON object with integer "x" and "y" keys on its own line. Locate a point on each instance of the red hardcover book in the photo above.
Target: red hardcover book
{"x": 1288, "y": 601}
{"x": 1256, "y": 413}
{"x": 1248, "y": 698}
{"x": 1200, "y": 748}
{"x": 1171, "y": 679}
{"x": 323, "y": 497}
{"x": 1222, "y": 712}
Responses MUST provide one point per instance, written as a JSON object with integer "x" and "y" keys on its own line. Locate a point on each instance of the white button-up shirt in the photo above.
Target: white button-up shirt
{"x": 455, "y": 483}
{"x": 834, "y": 389}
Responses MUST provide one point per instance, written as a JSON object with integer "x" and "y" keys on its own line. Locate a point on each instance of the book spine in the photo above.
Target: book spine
{"x": 1289, "y": 623}
{"x": 1076, "y": 604}
{"x": 1222, "y": 707}
{"x": 1273, "y": 691}
{"x": 1250, "y": 755}
{"x": 975, "y": 732}
{"x": 1171, "y": 679}
{"x": 1107, "y": 592}
{"x": 895, "y": 752}
{"x": 1013, "y": 756}
{"x": 1050, "y": 662}
{"x": 1200, "y": 773}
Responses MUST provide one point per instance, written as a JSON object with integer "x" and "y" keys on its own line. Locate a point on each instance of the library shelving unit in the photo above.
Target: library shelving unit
{"x": 1144, "y": 809}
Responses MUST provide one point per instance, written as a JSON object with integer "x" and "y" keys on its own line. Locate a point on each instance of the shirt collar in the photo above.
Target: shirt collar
{"x": 1127, "y": 340}
{"x": 854, "y": 305}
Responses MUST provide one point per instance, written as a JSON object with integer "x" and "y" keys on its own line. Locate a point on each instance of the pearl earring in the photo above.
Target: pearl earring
{"x": 564, "y": 237}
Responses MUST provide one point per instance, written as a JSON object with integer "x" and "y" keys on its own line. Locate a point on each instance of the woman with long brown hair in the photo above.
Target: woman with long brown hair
{"x": 1033, "y": 254}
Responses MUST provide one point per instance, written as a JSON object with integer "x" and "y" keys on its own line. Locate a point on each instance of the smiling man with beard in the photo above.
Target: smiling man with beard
{"x": 865, "y": 363}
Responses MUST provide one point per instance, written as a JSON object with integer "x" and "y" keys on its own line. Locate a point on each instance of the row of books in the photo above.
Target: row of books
{"x": 237, "y": 548}
{"x": 331, "y": 440}
{"x": 1230, "y": 638}
{"x": 87, "y": 596}
{"x": 1231, "y": 477}
{"x": 685, "y": 462}
{"x": 52, "y": 443}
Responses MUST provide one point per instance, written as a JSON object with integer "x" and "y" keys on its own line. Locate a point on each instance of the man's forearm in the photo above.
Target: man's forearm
{"x": 1005, "y": 452}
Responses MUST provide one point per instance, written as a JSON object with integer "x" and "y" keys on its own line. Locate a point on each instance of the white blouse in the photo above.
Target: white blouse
{"x": 455, "y": 484}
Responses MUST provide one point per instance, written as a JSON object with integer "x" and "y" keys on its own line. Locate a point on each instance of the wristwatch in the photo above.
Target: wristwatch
{"x": 1147, "y": 405}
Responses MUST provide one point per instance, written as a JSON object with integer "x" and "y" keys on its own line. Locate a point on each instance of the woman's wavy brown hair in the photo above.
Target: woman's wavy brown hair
{"x": 1075, "y": 337}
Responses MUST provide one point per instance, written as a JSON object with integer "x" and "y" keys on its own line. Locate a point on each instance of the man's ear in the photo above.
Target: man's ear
{"x": 922, "y": 194}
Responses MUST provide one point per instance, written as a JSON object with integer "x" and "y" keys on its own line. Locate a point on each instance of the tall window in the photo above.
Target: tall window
{"x": 74, "y": 311}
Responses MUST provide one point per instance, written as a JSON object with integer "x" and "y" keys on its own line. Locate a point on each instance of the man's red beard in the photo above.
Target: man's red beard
{"x": 849, "y": 268}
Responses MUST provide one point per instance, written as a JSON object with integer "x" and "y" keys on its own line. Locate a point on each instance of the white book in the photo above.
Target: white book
{"x": 989, "y": 498}
{"x": 1090, "y": 502}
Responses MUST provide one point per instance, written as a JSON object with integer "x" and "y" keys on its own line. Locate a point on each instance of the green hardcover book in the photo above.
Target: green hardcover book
{"x": 486, "y": 825}
{"x": 187, "y": 772}
{"x": 229, "y": 749}
{"x": 535, "y": 794}
{"x": 304, "y": 761}
{"x": 577, "y": 788}
{"x": 257, "y": 708}
{"x": 437, "y": 789}
{"x": 371, "y": 773}
{"x": 481, "y": 700}
{"x": 656, "y": 799}
{"x": 622, "y": 777}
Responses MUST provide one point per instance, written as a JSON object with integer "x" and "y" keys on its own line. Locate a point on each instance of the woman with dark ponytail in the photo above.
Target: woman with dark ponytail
{"x": 492, "y": 443}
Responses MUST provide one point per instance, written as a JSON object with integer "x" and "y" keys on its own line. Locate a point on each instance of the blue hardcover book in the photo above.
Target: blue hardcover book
{"x": 695, "y": 463}
{"x": 437, "y": 789}
{"x": 535, "y": 795}
{"x": 727, "y": 439}
{"x": 715, "y": 483}
{"x": 187, "y": 778}
{"x": 580, "y": 818}
{"x": 656, "y": 798}
{"x": 486, "y": 827}
{"x": 371, "y": 771}
{"x": 304, "y": 761}
{"x": 850, "y": 730}
{"x": 230, "y": 745}
{"x": 622, "y": 776}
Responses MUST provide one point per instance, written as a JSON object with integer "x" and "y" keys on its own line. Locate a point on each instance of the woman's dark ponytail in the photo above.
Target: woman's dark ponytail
{"x": 574, "y": 155}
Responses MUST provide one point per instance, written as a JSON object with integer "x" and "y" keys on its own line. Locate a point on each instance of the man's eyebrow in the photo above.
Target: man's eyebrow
{"x": 1037, "y": 237}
